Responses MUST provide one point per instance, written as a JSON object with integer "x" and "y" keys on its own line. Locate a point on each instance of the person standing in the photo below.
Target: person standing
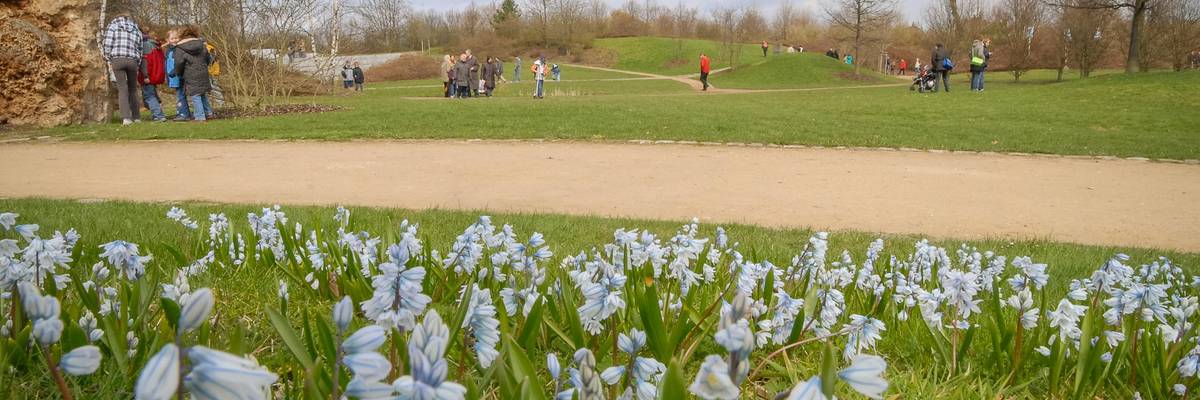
{"x": 539, "y": 75}
{"x": 347, "y": 77}
{"x": 123, "y": 52}
{"x": 151, "y": 75}
{"x": 175, "y": 82}
{"x": 192, "y": 64}
{"x": 359, "y": 77}
{"x": 462, "y": 83}
{"x": 938, "y": 63}
{"x": 977, "y": 61}
{"x": 902, "y": 66}
{"x": 705, "y": 68}
{"x": 765, "y": 47}
{"x": 214, "y": 70}
{"x": 473, "y": 75}
{"x": 448, "y": 76}
{"x": 517, "y": 69}
{"x": 490, "y": 71}
{"x": 556, "y": 72}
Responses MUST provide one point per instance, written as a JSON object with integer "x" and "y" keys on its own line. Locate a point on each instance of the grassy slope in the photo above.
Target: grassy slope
{"x": 242, "y": 293}
{"x": 1150, "y": 115}
{"x": 806, "y": 70}
{"x": 666, "y": 56}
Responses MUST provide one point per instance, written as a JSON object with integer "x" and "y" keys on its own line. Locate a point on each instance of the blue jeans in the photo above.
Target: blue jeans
{"x": 182, "y": 111}
{"x": 200, "y": 103}
{"x": 151, "y": 101}
{"x": 517, "y": 73}
{"x": 976, "y": 80}
{"x": 540, "y": 83}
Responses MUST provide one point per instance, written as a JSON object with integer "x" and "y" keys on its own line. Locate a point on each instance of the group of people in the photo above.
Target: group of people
{"x": 464, "y": 77}
{"x": 940, "y": 65}
{"x": 353, "y": 77}
{"x": 139, "y": 61}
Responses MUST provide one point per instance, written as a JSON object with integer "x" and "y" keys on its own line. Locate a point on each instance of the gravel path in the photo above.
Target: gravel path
{"x": 963, "y": 196}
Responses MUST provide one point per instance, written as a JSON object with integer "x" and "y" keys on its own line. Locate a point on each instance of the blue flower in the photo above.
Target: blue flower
{"x": 365, "y": 340}
{"x": 630, "y": 344}
{"x": 219, "y": 375}
{"x": 83, "y": 360}
{"x": 125, "y": 256}
{"x": 343, "y": 311}
{"x": 552, "y": 365}
{"x": 160, "y": 376}
{"x": 196, "y": 308}
{"x": 712, "y": 381}
{"x": 807, "y": 390}
{"x": 369, "y": 366}
{"x": 427, "y": 350}
{"x": 865, "y": 375}
{"x": 397, "y": 300}
{"x": 365, "y": 389}
{"x": 481, "y": 318}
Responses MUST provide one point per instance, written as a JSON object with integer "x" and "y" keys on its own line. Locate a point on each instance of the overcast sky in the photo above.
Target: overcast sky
{"x": 911, "y": 9}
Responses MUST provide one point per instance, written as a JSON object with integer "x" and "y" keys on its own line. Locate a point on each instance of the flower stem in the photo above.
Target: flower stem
{"x": 52, "y": 365}
{"x": 337, "y": 366}
{"x": 182, "y": 370}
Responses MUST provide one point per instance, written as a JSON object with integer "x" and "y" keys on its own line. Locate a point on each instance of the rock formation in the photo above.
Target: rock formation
{"x": 51, "y": 71}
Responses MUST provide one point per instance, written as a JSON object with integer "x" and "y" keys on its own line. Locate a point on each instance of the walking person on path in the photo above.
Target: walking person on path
{"x": 123, "y": 52}
{"x": 937, "y": 60}
{"x": 151, "y": 74}
{"x": 192, "y": 64}
{"x": 517, "y": 69}
{"x": 359, "y": 77}
{"x": 448, "y": 76}
{"x": 765, "y": 47}
{"x": 705, "y": 68}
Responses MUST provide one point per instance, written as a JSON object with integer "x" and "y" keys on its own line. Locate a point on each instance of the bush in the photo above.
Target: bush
{"x": 406, "y": 67}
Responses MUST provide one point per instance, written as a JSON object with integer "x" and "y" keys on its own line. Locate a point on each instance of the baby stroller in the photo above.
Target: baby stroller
{"x": 925, "y": 81}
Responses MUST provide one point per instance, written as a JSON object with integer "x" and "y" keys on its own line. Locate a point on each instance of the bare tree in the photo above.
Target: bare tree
{"x": 861, "y": 21}
{"x": 1137, "y": 21}
{"x": 785, "y": 14}
{"x": 726, "y": 19}
{"x": 1085, "y": 35}
{"x": 1017, "y": 22}
{"x": 383, "y": 22}
{"x": 1175, "y": 27}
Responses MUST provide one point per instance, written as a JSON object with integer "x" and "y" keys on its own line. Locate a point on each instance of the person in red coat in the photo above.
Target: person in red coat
{"x": 903, "y": 66}
{"x": 705, "y": 68}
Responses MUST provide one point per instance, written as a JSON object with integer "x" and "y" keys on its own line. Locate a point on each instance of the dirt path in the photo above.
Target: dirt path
{"x": 966, "y": 196}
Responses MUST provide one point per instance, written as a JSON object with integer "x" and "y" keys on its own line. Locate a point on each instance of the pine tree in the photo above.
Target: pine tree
{"x": 507, "y": 11}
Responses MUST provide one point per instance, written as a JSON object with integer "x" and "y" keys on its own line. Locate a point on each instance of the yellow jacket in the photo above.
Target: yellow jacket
{"x": 214, "y": 68}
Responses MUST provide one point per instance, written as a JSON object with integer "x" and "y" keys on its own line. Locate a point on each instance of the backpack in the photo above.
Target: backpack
{"x": 947, "y": 64}
{"x": 156, "y": 67}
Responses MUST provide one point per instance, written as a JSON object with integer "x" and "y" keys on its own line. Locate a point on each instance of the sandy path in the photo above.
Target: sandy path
{"x": 966, "y": 196}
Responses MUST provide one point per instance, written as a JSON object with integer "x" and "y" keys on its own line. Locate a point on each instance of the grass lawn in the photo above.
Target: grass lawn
{"x": 568, "y": 87}
{"x": 1148, "y": 115}
{"x": 800, "y": 70}
{"x": 242, "y": 293}
{"x": 667, "y": 56}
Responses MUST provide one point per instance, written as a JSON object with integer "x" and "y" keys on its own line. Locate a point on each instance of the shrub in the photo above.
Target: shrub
{"x": 406, "y": 67}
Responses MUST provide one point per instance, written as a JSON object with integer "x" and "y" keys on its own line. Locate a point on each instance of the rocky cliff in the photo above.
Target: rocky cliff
{"x": 51, "y": 72}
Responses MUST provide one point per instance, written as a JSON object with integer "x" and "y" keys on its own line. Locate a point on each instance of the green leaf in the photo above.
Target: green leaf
{"x": 290, "y": 338}
{"x": 828, "y": 369}
{"x": 674, "y": 386}
{"x": 171, "y": 311}
{"x": 656, "y": 333}
{"x": 533, "y": 324}
{"x": 518, "y": 361}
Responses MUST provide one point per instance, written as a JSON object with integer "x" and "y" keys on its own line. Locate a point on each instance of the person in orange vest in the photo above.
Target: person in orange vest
{"x": 705, "y": 68}
{"x": 765, "y": 47}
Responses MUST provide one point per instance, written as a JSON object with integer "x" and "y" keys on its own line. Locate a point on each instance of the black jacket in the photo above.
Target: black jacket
{"x": 191, "y": 63}
{"x": 937, "y": 59}
{"x": 358, "y": 75}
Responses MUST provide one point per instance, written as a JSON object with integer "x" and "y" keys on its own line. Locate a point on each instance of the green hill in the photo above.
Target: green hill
{"x": 667, "y": 56}
{"x": 795, "y": 71}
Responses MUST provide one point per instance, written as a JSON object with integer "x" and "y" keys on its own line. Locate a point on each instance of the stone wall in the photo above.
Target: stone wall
{"x": 51, "y": 71}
